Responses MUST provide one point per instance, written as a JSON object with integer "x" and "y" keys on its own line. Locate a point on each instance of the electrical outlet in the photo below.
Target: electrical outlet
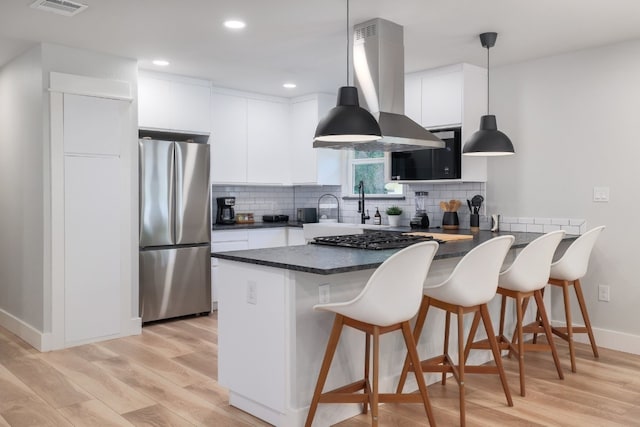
{"x": 603, "y": 293}
{"x": 324, "y": 294}
{"x": 252, "y": 293}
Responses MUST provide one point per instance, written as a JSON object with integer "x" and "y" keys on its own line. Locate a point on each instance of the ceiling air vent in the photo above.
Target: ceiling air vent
{"x": 61, "y": 7}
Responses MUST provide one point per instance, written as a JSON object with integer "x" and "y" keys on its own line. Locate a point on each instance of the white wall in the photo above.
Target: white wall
{"x": 574, "y": 120}
{"x": 21, "y": 189}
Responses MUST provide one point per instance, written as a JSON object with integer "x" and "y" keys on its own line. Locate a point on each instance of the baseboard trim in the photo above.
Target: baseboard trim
{"x": 613, "y": 340}
{"x": 43, "y": 341}
{"x": 23, "y": 330}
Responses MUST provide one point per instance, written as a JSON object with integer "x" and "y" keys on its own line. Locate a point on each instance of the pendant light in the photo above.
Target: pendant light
{"x": 347, "y": 121}
{"x": 488, "y": 141}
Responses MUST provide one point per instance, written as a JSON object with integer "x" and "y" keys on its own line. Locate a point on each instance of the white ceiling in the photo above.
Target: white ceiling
{"x": 304, "y": 41}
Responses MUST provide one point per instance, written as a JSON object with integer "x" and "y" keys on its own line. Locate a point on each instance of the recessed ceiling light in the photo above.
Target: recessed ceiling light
{"x": 160, "y": 62}
{"x": 289, "y": 85}
{"x": 234, "y": 25}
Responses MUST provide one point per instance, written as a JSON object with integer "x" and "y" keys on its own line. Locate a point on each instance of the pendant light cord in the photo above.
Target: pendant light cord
{"x": 488, "y": 78}
{"x": 347, "y": 42}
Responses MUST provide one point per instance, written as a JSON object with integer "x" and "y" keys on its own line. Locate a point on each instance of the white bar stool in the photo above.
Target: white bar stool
{"x": 388, "y": 301}
{"x": 469, "y": 288}
{"x": 526, "y": 278}
{"x": 568, "y": 271}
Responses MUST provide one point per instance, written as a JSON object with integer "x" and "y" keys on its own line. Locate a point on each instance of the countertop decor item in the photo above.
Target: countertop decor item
{"x": 488, "y": 140}
{"x": 393, "y": 213}
{"x": 450, "y": 219}
{"x": 245, "y": 218}
{"x": 347, "y": 121}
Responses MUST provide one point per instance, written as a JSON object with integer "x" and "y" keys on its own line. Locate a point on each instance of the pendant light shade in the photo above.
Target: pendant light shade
{"x": 488, "y": 140}
{"x": 347, "y": 121}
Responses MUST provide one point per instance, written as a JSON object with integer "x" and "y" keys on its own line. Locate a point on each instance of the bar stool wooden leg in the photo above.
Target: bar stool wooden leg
{"x": 367, "y": 355}
{"x": 422, "y": 315}
{"x": 538, "y": 318}
{"x": 376, "y": 356}
{"x": 567, "y": 313}
{"x": 461, "y": 362}
{"x": 486, "y": 319}
{"x": 520, "y": 338}
{"x": 415, "y": 360}
{"x": 503, "y": 304}
{"x": 547, "y": 330}
{"x": 472, "y": 334}
{"x": 447, "y": 324}
{"x": 583, "y": 308}
{"x": 324, "y": 369}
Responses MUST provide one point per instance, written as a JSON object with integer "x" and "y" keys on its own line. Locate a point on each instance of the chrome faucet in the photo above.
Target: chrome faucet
{"x": 363, "y": 216}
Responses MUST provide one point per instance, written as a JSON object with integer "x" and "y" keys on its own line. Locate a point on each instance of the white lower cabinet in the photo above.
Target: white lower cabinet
{"x": 260, "y": 238}
{"x": 267, "y": 238}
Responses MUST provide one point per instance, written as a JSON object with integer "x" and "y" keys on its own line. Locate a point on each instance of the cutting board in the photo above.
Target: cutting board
{"x": 442, "y": 236}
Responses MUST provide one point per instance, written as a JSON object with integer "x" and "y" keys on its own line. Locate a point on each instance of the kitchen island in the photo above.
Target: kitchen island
{"x": 271, "y": 341}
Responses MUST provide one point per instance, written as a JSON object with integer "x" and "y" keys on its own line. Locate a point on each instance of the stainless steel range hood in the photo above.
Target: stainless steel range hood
{"x": 378, "y": 57}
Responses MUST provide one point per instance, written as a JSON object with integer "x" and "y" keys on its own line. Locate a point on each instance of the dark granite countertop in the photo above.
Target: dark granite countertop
{"x": 319, "y": 259}
{"x": 255, "y": 225}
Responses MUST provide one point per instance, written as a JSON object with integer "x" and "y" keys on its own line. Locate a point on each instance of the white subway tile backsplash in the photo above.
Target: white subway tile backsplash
{"x": 547, "y": 228}
{"x": 505, "y": 227}
{"x": 576, "y": 222}
{"x": 542, "y": 220}
{"x": 560, "y": 221}
{"x": 509, "y": 220}
{"x": 535, "y": 228}
{"x": 518, "y": 227}
{"x": 525, "y": 220}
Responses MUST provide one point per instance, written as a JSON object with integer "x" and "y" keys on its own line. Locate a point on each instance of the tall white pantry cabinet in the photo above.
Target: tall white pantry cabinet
{"x": 91, "y": 221}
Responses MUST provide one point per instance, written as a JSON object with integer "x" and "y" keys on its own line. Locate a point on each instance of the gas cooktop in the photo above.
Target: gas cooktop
{"x": 375, "y": 240}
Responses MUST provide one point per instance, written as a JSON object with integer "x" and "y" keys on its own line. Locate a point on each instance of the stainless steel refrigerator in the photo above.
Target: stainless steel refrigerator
{"x": 175, "y": 229}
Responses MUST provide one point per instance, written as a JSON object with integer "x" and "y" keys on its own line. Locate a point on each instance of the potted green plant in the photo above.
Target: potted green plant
{"x": 393, "y": 213}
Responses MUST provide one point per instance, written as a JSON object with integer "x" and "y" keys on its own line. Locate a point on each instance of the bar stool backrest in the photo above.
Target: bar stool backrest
{"x": 393, "y": 293}
{"x": 530, "y": 270}
{"x": 575, "y": 261}
{"x": 474, "y": 280}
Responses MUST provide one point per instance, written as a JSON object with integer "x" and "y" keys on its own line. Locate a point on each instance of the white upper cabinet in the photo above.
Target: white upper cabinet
{"x": 316, "y": 166}
{"x": 268, "y": 136}
{"x": 249, "y": 138}
{"x": 413, "y": 97}
{"x": 93, "y": 133}
{"x": 228, "y": 139}
{"x": 442, "y": 99}
{"x": 173, "y": 103}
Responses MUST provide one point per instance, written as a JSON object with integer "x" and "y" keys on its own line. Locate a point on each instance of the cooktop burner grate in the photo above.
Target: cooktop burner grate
{"x": 376, "y": 240}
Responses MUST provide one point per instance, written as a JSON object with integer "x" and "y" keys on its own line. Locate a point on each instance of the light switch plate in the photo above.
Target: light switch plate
{"x": 600, "y": 194}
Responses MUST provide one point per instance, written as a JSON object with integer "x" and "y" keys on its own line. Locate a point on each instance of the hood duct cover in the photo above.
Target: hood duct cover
{"x": 378, "y": 60}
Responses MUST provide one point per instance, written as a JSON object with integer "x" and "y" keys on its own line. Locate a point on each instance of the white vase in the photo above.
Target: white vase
{"x": 394, "y": 220}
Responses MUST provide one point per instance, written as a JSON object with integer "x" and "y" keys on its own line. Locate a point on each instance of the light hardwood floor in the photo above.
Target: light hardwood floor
{"x": 167, "y": 377}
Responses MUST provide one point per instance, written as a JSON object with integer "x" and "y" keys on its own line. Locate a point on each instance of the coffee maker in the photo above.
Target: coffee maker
{"x": 225, "y": 213}
{"x": 420, "y": 219}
